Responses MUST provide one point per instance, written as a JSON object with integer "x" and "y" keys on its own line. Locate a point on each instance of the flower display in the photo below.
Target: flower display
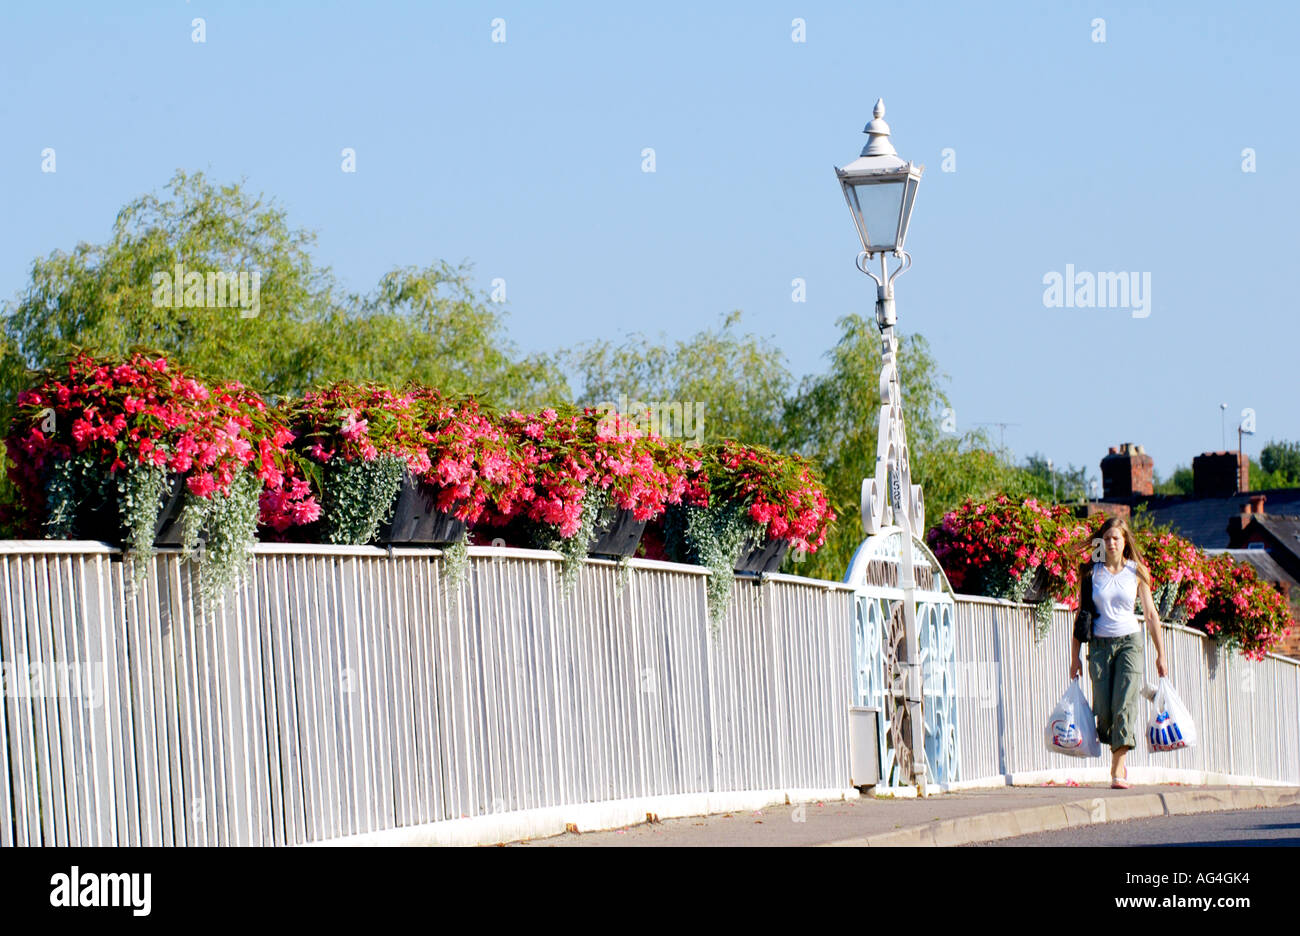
{"x": 474, "y": 464}
{"x": 779, "y": 492}
{"x": 1178, "y": 568}
{"x": 1241, "y": 611}
{"x": 353, "y": 422}
{"x": 738, "y": 497}
{"x": 354, "y": 443}
{"x": 138, "y": 410}
{"x": 139, "y": 429}
{"x": 555, "y": 465}
{"x": 99, "y": 439}
{"x": 996, "y": 547}
{"x": 578, "y": 469}
{"x": 565, "y": 454}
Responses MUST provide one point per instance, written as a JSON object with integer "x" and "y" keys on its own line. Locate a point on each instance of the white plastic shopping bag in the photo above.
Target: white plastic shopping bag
{"x": 1171, "y": 726}
{"x": 1072, "y": 729}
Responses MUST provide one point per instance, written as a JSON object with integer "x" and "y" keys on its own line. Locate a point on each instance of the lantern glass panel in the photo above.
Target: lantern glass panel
{"x": 908, "y": 202}
{"x": 878, "y": 207}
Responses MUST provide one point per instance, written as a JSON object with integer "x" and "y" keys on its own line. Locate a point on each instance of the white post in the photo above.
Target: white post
{"x": 903, "y": 500}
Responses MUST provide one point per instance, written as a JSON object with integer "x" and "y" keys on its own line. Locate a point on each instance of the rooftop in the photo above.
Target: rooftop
{"x": 1204, "y": 520}
{"x": 1266, "y": 566}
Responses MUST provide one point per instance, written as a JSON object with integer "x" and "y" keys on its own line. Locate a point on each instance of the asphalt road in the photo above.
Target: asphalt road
{"x": 1261, "y": 827}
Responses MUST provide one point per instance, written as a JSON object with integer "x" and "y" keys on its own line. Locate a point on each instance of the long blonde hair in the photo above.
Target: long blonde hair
{"x": 1131, "y": 550}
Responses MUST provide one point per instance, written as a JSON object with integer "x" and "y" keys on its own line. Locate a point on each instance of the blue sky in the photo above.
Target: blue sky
{"x": 524, "y": 157}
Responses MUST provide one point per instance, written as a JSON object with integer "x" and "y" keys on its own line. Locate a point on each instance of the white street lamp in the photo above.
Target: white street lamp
{"x": 880, "y": 190}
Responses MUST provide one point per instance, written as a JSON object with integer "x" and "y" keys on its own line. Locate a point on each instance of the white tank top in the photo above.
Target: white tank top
{"x": 1115, "y": 599}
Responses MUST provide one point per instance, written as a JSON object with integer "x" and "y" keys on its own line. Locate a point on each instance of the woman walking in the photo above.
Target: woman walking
{"x": 1116, "y": 647}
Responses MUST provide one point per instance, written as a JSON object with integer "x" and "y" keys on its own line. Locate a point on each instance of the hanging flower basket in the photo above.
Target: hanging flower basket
{"x": 618, "y": 535}
{"x": 1039, "y": 587}
{"x": 103, "y": 522}
{"x": 356, "y": 442}
{"x": 417, "y": 519}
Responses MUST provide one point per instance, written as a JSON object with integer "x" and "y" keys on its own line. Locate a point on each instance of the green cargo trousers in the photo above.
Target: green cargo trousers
{"x": 1116, "y": 667}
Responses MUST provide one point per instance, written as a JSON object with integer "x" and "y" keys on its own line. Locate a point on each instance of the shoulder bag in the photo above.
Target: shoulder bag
{"x": 1087, "y": 610}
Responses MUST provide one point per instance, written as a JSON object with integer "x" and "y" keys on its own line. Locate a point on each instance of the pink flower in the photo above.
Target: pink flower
{"x": 352, "y": 427}
{"x": 201, "y": 485}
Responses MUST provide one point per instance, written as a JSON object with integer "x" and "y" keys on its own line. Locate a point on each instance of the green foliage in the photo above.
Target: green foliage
{"x": 102, "y": 296}
{"x": 1180, "y": 482}
{"x": 426, "y": 324}
{"x": 950, "y": 474}
{"x": 73, "y": 484}
{"x": 713, "y": 537}
{"x": 358, "y": 497}
{"x": 741, "y": 381}
{"x": 1068, "y": 484}
{"x": 421, "y": 323}
{"x": 832, "y": 421}
{"x": 1282, "y": 459}
{"x": 1278, "y": 467}
{"x": 456, "y": 557}
{"x": 141, "y": 489}
{"x": 228, "y": 520}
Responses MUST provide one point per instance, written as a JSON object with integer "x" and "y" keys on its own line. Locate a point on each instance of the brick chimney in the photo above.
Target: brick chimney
{"x": 1126, "y": 471}
{"x": 1214, "y": 474}
{"x": 1242, "y": 530}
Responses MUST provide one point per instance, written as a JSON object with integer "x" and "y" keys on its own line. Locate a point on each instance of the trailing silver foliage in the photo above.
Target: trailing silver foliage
{"x": 140, "y": 490}
{"x": 713, "y": 536}
{"x": 358, "y": 497}
{"x": 229, "y": 522}
{"x": 66, "y": 490}
{"x": 456, "y": 556}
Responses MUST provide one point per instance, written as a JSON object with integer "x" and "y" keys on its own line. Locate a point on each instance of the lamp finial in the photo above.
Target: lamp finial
{"x": 878, "y": 133}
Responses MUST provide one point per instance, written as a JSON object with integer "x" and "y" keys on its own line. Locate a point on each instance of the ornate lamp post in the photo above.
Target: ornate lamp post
{"x": 880, "y": 189}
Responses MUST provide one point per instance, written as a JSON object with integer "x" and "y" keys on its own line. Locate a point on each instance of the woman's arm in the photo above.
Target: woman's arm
{"x": 1085, "y": 584}
{"x": 1153, "y": 627}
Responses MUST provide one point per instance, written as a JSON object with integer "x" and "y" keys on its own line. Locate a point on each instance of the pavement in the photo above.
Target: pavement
{"x": 957, "y": 818}
{"x": 1278, "y": 827}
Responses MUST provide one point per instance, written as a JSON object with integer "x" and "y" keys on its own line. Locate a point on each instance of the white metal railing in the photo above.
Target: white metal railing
{"x": 1247, "y": 714}
{"x": 344, "y": 691}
